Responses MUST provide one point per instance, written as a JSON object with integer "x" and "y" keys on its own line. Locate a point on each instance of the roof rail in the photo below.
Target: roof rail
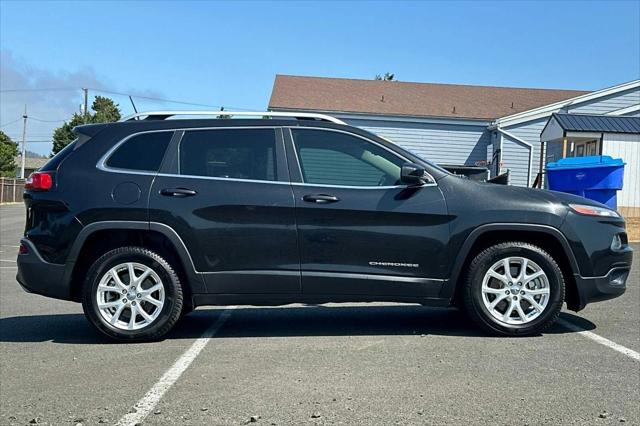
{"x": 162, "y": 115}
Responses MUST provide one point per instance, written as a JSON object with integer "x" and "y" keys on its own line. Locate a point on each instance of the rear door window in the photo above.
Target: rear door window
{"x": 248, "y": 154}
{"x": 143, "y": 152}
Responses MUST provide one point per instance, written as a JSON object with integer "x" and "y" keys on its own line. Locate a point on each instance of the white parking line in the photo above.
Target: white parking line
{"x": 143, "y": 407}
{"x": 599, "y": 339}
{"x": 2, "y": 260}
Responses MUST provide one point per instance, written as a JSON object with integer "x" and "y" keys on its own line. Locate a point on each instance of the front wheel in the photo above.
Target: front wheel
{"x": 514, "y": 288}
{"x": 132, "y": 294}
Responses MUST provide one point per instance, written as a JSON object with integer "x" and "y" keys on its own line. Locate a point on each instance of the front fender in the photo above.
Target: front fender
{"x": 449, "y": 289}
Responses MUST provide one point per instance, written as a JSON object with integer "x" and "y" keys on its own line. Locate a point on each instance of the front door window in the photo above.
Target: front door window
{"x": 337, "y": 158}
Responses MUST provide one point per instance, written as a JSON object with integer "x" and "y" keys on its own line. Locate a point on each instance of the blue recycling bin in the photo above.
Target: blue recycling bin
{"x": 597, "y": 177}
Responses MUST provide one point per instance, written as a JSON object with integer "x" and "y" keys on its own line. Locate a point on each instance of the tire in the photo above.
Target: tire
{"x": 159, "y": 294}
{"x": 485, "y": 284}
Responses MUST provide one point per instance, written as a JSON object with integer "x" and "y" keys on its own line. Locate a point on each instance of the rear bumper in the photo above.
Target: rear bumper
{"x": 36, "y": 275}
{"x": 597, "y": 289}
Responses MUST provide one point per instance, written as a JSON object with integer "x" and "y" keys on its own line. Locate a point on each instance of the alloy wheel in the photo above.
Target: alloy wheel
{"x": 515, "y": 290}
{"x": 130, "y": 296}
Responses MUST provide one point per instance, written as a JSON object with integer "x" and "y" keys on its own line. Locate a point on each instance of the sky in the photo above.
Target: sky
{"x": 227, "y": 53}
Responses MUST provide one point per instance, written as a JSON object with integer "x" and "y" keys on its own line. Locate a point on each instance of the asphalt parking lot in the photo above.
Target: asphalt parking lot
{"x": 329, "y": 364}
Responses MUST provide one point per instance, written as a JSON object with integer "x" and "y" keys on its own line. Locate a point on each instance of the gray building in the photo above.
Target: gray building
{"x": 458, "y": 125}
{"x": 31, "y": 164}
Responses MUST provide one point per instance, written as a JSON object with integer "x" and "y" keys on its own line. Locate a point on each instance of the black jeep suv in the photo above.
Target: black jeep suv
{"x": 145, "y": 219}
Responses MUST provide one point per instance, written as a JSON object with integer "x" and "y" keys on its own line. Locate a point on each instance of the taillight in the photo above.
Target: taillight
{"x": 23, "y": 249}
{"x": 39, "y": 181}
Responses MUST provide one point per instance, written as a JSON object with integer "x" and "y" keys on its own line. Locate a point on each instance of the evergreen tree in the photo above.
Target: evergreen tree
{"x": 104, "y": 111}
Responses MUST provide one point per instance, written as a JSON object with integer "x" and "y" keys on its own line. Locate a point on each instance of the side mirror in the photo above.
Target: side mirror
{"x": 413, "y": 174}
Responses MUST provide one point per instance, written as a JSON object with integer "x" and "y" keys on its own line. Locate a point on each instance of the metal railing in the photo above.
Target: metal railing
{"x": 11, "y": 190}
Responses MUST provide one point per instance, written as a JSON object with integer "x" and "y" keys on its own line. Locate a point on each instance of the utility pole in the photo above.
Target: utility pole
{"x": 24, "y": 141}
{"x": 86, "y": 101}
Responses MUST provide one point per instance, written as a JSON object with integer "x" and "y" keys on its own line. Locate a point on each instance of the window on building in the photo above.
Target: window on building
{"x": 229, "y": 153}
{"x": 335, "y": 158}
{"x": 143, "y": 152}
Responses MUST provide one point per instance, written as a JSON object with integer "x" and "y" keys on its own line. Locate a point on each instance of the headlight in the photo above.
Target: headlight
{"x": 593, "y": 211}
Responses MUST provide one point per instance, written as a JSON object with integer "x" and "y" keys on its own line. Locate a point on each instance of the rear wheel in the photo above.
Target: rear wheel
{"x": 132, "y": 294}
{"x": 514, "y": 288}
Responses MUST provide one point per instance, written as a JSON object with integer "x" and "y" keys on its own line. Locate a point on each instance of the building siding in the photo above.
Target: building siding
{"x": 455, "y": 144}
{"x": 608, "y": 104}
{"x": 515, "y": 155}
{"x": 627, "y": 147}
{"x": 515, "y": 159}
{"x": 453, "y": 141}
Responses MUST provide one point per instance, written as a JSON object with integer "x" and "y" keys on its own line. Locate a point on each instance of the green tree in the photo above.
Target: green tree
{"x": 63, "y": 135}
{"x": 8, "y": 152}
{"x": 386, "y": 77}
{"x": 104, "y": 111}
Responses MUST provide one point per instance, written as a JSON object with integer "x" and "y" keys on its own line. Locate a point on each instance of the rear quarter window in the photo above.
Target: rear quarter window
{"x": 142, "y": 152}
{"x": 55, "y": 161}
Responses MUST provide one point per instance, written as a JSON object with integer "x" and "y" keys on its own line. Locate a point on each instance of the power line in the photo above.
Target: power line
{"x": 113, "y": 92}
{"x": 28, "y": 141}
{"x": 47, "y": 121}
{"x": 11, "y": 122}
{"x": 173, "y": 101}
{"x": 49, "y": 89}
{"x": 36, "y": 136}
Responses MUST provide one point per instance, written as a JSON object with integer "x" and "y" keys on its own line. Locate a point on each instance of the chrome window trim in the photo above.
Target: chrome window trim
{"x": 277, "y": 182}
{"x": 101, "y": 165}
{"x": 295, "y": 151}
{"x": 102, "y": 162}
{"x": 350, "y": 186}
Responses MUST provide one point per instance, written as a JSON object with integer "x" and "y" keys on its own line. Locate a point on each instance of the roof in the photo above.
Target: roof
{"x": 546, "y": 110}
{"x": 30, "y": 162}
{"x": 598, "y": 123}
{"x": 408, "y": 99}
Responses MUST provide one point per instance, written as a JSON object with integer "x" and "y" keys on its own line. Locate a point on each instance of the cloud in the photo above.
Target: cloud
{"x": 23, "y": 83}
{"x": 51, "y": 106}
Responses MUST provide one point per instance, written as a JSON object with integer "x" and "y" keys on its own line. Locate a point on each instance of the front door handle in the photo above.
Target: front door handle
{"x": 320, "y": 198}
{"x": 178, "y": 192}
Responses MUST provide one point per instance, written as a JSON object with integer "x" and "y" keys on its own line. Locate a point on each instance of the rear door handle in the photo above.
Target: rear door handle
{"x": 320, "y": 198}
{"x": 178, "y": 192}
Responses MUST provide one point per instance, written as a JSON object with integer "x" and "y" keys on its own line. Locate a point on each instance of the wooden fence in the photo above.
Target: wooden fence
{"x": 11, "y": 190}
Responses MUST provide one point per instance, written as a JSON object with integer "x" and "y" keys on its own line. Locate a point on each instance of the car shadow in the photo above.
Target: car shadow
{"x": 309, "y": 321}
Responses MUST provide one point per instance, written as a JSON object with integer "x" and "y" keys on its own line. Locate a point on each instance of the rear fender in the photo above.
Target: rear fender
{"x": 196, "y": 282}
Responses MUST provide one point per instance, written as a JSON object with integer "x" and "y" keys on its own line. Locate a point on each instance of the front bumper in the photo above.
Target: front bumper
{"x": 597, "y": 289}
{"x": 36, "y": 275}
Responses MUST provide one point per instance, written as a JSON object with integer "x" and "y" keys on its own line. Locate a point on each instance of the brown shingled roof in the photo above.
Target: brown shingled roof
{"x": 409, "y": 99}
